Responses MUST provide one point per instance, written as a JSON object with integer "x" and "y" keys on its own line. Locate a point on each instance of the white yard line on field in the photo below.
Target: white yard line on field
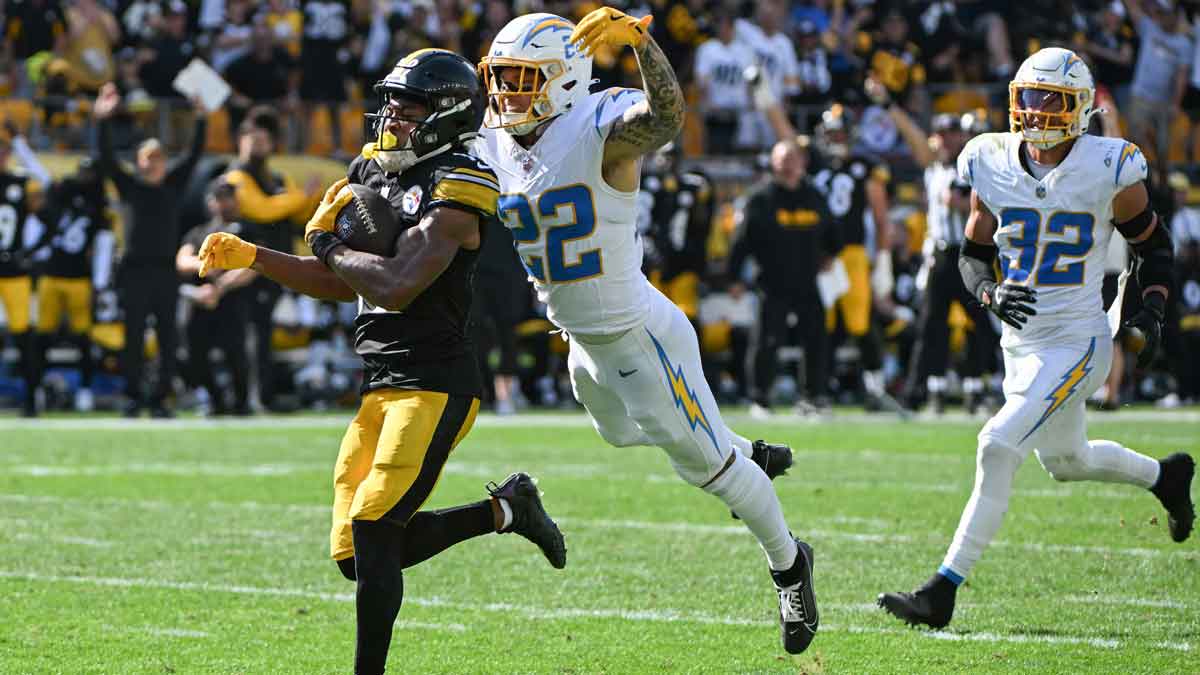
{"x": 541, "y": 613}
{"x": 1106, "y": 643}
{"x": 174, "y": 632}
{"x": 57, "y": 539}
{"x": 1122, "y": 600}
{"x": 162, "y": 468}
{"x": 570, "y": 471}
{"x": 599, "y": 523}
{"x": 735, "y": 530}
{"x": 573, "y": 419}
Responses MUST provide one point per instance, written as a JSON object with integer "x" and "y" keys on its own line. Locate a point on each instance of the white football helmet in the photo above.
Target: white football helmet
{"x": 1052, "y": 98}
{"x": 549, "y": 69}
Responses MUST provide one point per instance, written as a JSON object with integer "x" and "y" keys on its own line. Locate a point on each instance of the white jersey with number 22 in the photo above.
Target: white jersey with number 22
{"x": 576, "y": 235}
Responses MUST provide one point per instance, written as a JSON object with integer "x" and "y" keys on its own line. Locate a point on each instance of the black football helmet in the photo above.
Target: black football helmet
{"x": 835, "y": 132}
{"x": 448, "y": 86}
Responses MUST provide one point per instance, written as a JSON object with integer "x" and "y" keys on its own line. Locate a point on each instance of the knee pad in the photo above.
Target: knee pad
{"x": 1061, "y": 468}
{"x": 346, "y": 567}
{"x": 621, "y": 436}
{"x": 997, "y": 455}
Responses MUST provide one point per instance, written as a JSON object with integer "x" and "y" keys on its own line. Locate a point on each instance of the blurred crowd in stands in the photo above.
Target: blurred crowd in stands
{"x": 101, "y": 298}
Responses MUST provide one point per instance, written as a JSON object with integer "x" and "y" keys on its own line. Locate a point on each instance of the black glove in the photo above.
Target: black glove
{"x": 1150, "y": 321}
{"x": 1011, "y": 302}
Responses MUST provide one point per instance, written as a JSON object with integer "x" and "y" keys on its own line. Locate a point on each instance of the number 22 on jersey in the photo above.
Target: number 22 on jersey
{"x": 562, "y": 215}
{"x": 1027, "y": 224}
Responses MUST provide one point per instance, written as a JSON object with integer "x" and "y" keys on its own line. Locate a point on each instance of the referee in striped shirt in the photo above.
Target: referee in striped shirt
{"x": 948, "y": 203}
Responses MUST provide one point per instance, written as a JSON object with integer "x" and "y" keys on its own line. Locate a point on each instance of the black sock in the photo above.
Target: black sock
{"x": 27, "y": 344}
{"x": 378, "y": 550}
{"x": 940, "y": 586}
{"x": 428, "y": 533}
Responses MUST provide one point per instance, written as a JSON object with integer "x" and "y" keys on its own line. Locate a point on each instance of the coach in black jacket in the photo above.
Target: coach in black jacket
{"x": 786, "y": 227}
{"x": 146, "y": 280}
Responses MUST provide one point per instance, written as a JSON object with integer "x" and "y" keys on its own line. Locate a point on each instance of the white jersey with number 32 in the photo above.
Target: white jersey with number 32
{"x": 576, "y": 235}
{"x": 1053, "y": 234}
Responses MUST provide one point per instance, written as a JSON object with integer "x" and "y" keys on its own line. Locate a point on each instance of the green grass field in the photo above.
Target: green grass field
{"x": 191, "y": 547}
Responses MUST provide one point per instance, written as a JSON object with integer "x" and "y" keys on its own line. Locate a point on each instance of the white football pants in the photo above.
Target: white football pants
{"x": 647, "y": 387}
{"x": 1045, "y": 391}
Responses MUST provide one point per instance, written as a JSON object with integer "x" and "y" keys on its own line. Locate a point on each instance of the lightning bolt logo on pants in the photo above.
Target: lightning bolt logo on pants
{"x": 685, "y": 398}
{"x": 1070, "y": 381}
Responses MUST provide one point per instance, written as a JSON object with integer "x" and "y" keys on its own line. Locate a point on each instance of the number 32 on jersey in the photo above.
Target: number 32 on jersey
{"x": 1024, "y": 235}
{"x": 562, "y": 215}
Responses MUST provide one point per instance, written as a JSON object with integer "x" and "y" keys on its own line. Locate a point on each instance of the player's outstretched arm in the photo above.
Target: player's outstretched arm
{"x": 307, "y": 275}
{"x": 422, "y": 254}
{"x": 651, "y": 124}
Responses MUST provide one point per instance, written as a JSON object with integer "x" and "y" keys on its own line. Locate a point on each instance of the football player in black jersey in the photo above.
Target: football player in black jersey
{"x": 678, "y": 206}
{"x": 422, "y": 384}
{"x": 80, "y": 258}
{"x": 21, "y": 233}
{"x": 856, "y": 188}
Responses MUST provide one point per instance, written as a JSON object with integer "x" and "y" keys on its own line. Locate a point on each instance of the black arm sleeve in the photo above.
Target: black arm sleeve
{"x": 182, "y": 172}
{"x": 975, "y": 266}
{"x": 108, "y": 160}
{"x": 1134, "y": 227}
{"x": 1155, "y": 259}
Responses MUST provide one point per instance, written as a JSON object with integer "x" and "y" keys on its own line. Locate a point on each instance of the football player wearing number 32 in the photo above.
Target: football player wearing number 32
{"x": 568, "y": 161}
{"x": 1047, "y": 197}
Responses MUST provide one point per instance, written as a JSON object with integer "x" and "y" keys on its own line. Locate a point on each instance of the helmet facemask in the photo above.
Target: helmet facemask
{"x": 1044, "y": 114}
{"x": 422, "y": 141}
{"x": 835, "y": 133}
{"x": 533, "y": 80}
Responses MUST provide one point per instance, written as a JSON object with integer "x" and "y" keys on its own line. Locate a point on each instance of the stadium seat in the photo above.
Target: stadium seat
{"x": 350, "y": 118}
{"x": 320, "y": 132}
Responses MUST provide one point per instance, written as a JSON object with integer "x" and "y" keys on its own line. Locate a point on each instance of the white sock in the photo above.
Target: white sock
{"x": 747, "y": 491}
{"x": 995, "y": 468}
{"x": 740, "y": 443}
{"x": 507, "y": 513}
{"x": 1104, "y": 461}
{"x": 936, "y": 384}
{"x": 873, "y": 381}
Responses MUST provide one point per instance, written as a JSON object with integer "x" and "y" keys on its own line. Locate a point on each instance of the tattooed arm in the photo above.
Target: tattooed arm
{"x": 649, "y": 125}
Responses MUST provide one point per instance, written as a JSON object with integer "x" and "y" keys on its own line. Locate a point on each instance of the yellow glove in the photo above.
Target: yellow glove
{"x": 225, "y": 251}
{"x": 337, "y": 196}
{"x": 608, "y": 26}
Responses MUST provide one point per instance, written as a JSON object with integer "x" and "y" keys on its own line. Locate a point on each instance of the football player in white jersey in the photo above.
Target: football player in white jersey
{"x": 1047, "y": 197}
{"x": 569, "y": 161}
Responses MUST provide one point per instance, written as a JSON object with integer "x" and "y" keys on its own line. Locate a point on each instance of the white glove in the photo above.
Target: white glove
{"x": 882, "y": 281}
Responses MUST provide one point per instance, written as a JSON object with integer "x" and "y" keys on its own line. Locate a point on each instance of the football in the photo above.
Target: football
{"x": 368, "y": 223}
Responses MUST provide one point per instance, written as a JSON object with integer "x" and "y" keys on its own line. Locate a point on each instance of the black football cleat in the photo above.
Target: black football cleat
{"x": 529, "y": 517}
{"x": 1174, "y": 491}
{"x": 774, "y": 460}
{"x": 798, "y": 616}
{"x": 930, "y": 605}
